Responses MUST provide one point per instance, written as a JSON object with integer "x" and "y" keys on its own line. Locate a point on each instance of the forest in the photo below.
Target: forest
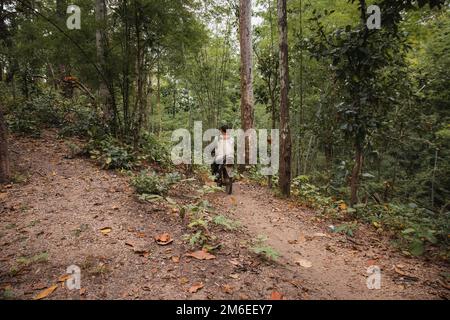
{"x": 91, "y": 92}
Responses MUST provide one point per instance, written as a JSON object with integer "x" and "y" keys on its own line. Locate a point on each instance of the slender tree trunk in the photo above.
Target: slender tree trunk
{"x": 300, "y": 107}
{"x": 245, "y": 39}
{"x": 127, "y": 122}
{"x": 285, "y": 135}
{"x": 105, "y": 91}
{"x": 434, "y": 177}
{"x": 174, "y": 105}
{"x": 61, "y": 6}
{"x": 158, "y": 96}
{"x": 4, "y": 158}
{"x": 140, "y": 102}
{"x": 272, "y": 83}
{"x": 354, "y": 182}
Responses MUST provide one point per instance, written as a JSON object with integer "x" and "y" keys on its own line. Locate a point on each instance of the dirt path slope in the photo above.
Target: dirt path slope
{"x": 55, "y": 218}
{"x": 338, "y": 264}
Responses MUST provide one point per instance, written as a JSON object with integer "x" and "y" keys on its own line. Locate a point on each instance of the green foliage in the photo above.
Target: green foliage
{"x": 154, "y": 149}
{"x": 309, "y": 193}
{"x": 347, "y": 228}
{"x": 27, "y": 117}
{"x": 150, "y": 183}
{"x": 254, "y": 173}
{"x": 110, "y": 153}
{"x": 225, "y": 222}
{"x": 199, "y": 238}
{"x": 7, "y": 293}
{"x": 47, "y": 108}
{"x": 415, "y": 228}
{"x": 210, "y": 189}
{"x": 38, "y": 258}
{"x": 199, "y": 218}
{"x": 260, "y": 247}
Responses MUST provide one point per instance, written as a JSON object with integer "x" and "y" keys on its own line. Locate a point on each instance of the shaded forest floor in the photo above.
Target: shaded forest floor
{"x": 55, "y": 219}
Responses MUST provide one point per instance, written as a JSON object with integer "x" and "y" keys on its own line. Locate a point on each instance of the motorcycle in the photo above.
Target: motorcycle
{"x": 226, "y": 177}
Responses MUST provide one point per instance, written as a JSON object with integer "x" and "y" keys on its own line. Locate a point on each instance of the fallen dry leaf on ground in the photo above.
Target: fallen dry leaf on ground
{"x": 105, "y": 230}
{"x": 142, "y": 252}
{"x": 226, "y": 288}
{"x": 196, "y": 287}
{"x": 184, "y": 280}
{"x": 175, "y": 259}
{"x": 234, "y": 262}
{"x": 276, "y": 296}
{"x": 304, "y": 263}
{"x": 163, "y": 239}
{"x": 320, "y": 234}
{"x": 201, "y": 255}
{"x": 64, "y": 277}
{"x": 398, "y": 270}
{"x": 45, "y": 293}
{"x": 129, "y": 243}
{"x": 371, "y": 262}
{"x": 301, "y": 238}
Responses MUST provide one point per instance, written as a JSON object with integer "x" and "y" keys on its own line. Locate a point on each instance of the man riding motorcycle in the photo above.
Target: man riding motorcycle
{"x": 224, "y": 150}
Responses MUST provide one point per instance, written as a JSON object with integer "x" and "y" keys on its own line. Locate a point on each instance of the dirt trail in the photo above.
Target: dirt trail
{"x": 54, "y": 220}
{"x": 338, "y": 264}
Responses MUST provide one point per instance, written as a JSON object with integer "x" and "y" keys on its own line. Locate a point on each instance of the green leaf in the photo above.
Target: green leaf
{"x": 416, "y": 248}
{"x": 408, "y": 231}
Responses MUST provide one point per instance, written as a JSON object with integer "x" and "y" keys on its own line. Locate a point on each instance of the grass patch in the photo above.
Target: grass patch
{"x": 225, "y": 222}
{"x": 263, "y": 250}
{"x": 38, "y": 258}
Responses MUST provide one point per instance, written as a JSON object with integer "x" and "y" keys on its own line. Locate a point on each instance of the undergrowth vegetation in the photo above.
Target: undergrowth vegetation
{"x": 415, "y": 230}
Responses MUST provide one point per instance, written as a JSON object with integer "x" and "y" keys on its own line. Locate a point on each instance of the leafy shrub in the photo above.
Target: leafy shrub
{"x": 150, "y": 183}
{"x": 225, "y": 222}
{"x": 154, "y": 149}
{"x": 414, "y": 227}
{"x": 173, "y": 177}
{"x": 110, "y": 153}
{"x": 49, "y": 109}
{"x": 260, "y": 247}
{"x": 80, "y": 118}
{"x": 199, "y": 219}
{"x": 309, "y": 193}
{"x": 347, "y": 228}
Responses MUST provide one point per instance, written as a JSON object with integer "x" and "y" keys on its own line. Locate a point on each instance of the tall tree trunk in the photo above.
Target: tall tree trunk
{"x": 354, "y": 182}
{"x": 300, "y": 107}
{"x": 245, "y": 40}
{"x": 126, "y": 70}
{"x": 106, "y": 99}
{"x": 174, "y": 104}
{"x": 285, "y": 135}
{"x": 140, "y": 69}
{"x": 4, "y": 158}
{"x": 158, "y": 96}
{"x": 61, "y": 7}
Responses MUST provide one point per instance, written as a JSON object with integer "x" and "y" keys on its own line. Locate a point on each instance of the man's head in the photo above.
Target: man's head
{"x": 224, "y": 128}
